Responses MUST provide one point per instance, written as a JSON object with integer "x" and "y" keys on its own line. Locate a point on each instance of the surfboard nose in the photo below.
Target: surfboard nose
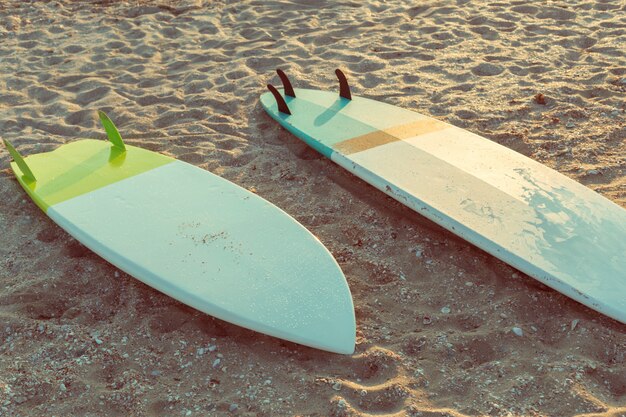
{"x": 343, "y": 340}
{"x": 337, "y": 331}
{"x": 314, "y": 308}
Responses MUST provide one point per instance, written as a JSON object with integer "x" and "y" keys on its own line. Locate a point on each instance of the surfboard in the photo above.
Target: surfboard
{"x": 194, "y": 236}
{"x": 539, "y": 221}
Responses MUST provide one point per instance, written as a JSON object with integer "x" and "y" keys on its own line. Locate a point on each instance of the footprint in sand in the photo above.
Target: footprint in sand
{"x": 374, "y": 385}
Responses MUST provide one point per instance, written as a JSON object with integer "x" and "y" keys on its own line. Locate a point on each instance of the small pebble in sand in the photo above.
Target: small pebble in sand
{"x": 427, "y": 320}
{"x": 570, "y": 123}
{"x": 337, "y": 386}
{"x": 62, "y": 387}
{"x": 233, "y": 407}
{"x": 155, "y": 373}
{"x": 594, "y": 172}
{"x": 342, "y": 404}
{"x": 540, "y": 99}
{"x": 445, "y": 310}
{"x": 362, "y": 393}
{"x": 216, "y": 363}
{"x": 95, "y": 336}
{"x": 518, "y": 331}
{"x": 574, "y": 324}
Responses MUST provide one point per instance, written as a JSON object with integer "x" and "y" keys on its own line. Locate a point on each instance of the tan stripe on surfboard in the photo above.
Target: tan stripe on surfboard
{"x": 392, "y": 134}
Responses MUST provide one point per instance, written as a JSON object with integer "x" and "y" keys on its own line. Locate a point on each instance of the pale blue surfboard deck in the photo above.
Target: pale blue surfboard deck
{"x": 520, "y": 211}
{"x": 197, "y": 238}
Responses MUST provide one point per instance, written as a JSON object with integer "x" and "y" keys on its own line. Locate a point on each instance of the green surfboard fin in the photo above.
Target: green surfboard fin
{"x": 112, "y": 133}
{"x": 19, "y": 160}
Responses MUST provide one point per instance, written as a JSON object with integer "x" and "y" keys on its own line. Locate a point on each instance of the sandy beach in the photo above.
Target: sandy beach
{"x": 443, "y": 329}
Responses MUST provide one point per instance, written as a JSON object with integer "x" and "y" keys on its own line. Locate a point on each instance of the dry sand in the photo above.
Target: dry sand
{"x": 78, "y": 337}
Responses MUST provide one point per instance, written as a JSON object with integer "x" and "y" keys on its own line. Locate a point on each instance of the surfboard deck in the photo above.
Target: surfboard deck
{"x": 197, "y": 238}
{"x": 518, "y": 210}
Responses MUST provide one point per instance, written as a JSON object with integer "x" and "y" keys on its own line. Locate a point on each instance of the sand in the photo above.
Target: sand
{"x": 435, "y": 315}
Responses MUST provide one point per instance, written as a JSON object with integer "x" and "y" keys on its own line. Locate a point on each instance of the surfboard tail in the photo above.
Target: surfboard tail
{"x": 19, "y": 160}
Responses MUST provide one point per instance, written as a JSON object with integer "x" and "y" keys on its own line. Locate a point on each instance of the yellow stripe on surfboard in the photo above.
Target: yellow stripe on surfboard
{"x": 389, "y": 135}
{"x": 83, "y": 166}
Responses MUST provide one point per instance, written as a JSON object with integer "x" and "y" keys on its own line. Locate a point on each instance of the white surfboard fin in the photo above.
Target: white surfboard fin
{"x": 19, "y": 160}
{"x": 112, "y": 133}
{"x": 288, "y": 89}
{"x": 344, "y": 88}
{"x": 282, "y": 105}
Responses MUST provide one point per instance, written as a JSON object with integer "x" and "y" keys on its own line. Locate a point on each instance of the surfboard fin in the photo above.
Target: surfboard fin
{"x": 344, "y": 88}
{"x": 282, "y": 105}
{"x": 286, "y": 83}
{"x": 19, "y": 160}
{"x": 112, "y": 133}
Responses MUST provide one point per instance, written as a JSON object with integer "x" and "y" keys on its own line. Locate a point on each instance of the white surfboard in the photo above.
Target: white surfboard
{"x": 196, "y": 237}
{"x": 520, "y": 211}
